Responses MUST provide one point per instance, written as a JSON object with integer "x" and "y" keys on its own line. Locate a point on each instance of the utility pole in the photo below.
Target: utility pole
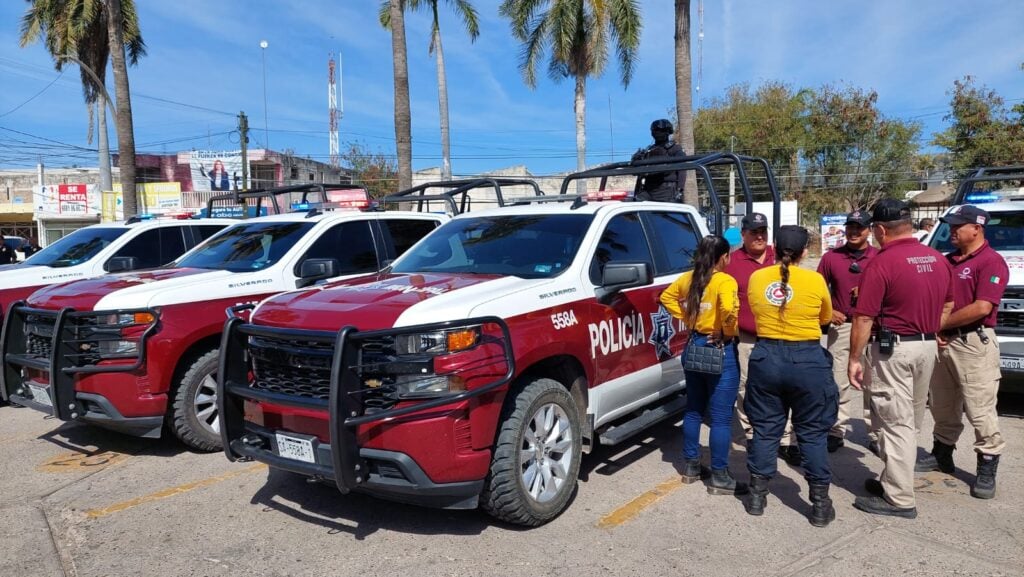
{"x": 732, "y": 185}
{"x": 243, "y": 138}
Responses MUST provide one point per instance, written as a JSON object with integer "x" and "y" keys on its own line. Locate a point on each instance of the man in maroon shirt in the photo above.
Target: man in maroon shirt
{"x": 754, "y": 254}
{"x": 907, "y": 290}
{"x": 966, "y": 378}
{"x": 842, "y": 268}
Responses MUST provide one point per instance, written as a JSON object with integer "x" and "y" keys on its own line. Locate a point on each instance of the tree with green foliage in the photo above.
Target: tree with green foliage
{"x": 376, "y": 171}
{"x": 853, "y": 155}
{"x": 77, "y": 30}
{"x": 982, "y": 131}
{"x": 579, "y": 35}
{"x": 472, "y": 25}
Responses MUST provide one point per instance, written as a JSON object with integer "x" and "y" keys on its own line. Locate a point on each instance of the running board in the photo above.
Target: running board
{"x": 651, "y": 417}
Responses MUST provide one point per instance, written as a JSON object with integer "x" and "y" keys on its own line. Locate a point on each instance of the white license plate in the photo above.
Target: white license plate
{"x": 1012, "y": 363}
{"x": 297, "y": 448}
{"x": 40, "y": 395}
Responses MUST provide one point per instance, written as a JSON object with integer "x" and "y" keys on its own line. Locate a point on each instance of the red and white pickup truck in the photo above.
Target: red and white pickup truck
{"x": 137, "y": 351}
{"x": 478, "y": 367}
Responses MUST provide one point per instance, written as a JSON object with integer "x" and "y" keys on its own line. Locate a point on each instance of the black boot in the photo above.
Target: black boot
{"x": 984, "y": 486}
{"x": 925, "y": 462}
{"x": 822, "y": 511}
{"x": 944, "y": 457}
{"x": 758, "y": 497}
{"x": 691, "y": 471}
{"x": 722, "y": 483}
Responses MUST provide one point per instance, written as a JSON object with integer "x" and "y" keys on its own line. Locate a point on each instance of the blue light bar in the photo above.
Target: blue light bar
{"x": 300, "y": 206}
{"x": 147, "y": 216}
{"x": 983, "y": 197}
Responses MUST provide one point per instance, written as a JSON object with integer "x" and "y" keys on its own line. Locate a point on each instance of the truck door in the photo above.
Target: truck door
{"x": 626, "y": 364}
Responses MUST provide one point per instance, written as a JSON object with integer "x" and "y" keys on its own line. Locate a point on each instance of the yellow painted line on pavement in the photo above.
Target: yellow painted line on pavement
{"x": 631, "y": 510}
{"x": 166, "y": 493}
{"x": 76, "y": 462}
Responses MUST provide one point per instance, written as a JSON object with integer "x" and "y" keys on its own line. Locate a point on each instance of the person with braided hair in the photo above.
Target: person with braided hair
{"x": 706, "y": 300}
{"x": 790, "y": 373}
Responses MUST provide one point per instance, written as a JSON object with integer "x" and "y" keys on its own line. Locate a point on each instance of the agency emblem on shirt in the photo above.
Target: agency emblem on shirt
{"x": 777, "y": 294}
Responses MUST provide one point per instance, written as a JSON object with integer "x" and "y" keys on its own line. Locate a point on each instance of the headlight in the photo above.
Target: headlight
{"x": 418, "y": 385}
{"x": 438, "y": 342}
{"x": 117, "y": 347}
{"x": 125, "y": 319}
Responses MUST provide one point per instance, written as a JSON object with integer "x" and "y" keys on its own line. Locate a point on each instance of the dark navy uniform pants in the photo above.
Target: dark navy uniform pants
{"x": 791, "y": 377}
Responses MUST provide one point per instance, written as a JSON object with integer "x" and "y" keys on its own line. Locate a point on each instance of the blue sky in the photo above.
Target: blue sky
{"x": 204, "y": 66}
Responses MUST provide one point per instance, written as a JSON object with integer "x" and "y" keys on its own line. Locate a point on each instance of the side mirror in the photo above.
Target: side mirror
{"x": 618, "y": 276}
{"x": 121, "y": 264}
{"x": 314, "y": 269}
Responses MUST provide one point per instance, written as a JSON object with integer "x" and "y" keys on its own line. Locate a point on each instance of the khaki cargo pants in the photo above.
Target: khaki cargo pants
{"x": 837, "y": 341}
{"x": 966, "y": 380}
{"x": 900, "y": 383}
{"x": 743, "y": 349}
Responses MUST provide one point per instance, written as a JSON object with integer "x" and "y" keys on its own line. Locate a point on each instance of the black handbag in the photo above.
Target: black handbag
{"x": 704, "y": 358}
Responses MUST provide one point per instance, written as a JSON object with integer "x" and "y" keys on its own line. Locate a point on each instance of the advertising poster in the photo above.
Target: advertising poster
{"x": 154, "y": 198}
{"x": 217, "y": 171}
{"x": 833, "y": 231}
{"x": 66, "y": 200}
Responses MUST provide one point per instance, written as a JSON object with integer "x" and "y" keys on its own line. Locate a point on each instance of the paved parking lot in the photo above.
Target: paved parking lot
{"x": 79, "y": 501}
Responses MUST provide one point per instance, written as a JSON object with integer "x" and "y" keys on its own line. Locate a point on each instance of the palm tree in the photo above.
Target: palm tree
{"x": 76, "y": 30}
{"x": 403, "y": 116}
{"x": 125, "y": 131}
{"x": 469, "y": 19}
{"x": 579, "y": 33}
{"x": 684, "y": 97}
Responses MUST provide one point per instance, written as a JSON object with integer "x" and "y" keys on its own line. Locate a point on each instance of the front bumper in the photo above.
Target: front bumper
{"x": 339, "y": 455}
{"x": 46, "y": 351}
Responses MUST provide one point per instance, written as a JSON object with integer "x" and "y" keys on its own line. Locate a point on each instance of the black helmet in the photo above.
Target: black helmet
{"x": 662, "y": 125}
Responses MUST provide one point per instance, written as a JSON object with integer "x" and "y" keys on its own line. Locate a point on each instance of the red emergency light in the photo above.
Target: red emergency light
{"x": 607, "y": 195}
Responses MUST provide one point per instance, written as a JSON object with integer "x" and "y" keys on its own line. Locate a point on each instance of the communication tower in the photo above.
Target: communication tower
{"x": 332, "y": 110}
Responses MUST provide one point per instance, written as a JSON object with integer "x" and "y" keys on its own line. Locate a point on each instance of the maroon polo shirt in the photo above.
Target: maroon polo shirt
{"x": 741, "y": 266}
{"x": 835, "y": 267}
{"x": 905, "y": 286}
{"x": 981, "y": 275}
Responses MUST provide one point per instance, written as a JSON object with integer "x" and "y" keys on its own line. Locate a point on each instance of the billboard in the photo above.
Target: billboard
{"x": 154, "y": 198}
{"x": 66, "y": 201}
{"x": 833, "y": 231}
{"x": 219, "y": 171}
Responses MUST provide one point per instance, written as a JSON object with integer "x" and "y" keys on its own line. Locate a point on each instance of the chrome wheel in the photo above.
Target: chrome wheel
{"x": 546, "y": 453}
{"x": 204, "y": 404}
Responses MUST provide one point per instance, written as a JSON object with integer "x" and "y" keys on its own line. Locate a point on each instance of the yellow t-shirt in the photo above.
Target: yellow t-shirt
{"x": 719, "y": 305}
{"x": 809, "y": 304}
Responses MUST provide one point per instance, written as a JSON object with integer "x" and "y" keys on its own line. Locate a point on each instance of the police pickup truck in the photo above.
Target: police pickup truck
{"x": 477, "y": 368}
{"x": 137, "y": 352}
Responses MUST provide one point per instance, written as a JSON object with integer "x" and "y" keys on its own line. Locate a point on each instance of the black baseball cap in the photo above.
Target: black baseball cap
{"x": 754, "y": 221}
{"x": 966, "y": 214}
{"x": 791, "y": 237}
{"x": 860, "y": 217}
{"x": 890, "y": 210}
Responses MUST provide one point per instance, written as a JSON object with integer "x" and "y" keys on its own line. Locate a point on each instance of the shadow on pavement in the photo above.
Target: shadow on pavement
{"x": 87, "y": 439}
{"x": 361, "y": 515}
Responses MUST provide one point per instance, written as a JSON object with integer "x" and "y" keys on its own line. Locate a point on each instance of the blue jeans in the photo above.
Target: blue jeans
{"x": 712, "y": 396}
{"x": 786, "y": 377}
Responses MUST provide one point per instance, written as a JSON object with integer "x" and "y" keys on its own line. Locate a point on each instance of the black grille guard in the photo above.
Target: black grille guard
{"x": 61, "y": 364}
{"x": 345, "y": 410}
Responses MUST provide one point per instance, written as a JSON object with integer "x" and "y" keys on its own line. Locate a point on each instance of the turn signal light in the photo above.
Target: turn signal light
{"x": 462, "y": 339}
{"x": 144, "y": 318}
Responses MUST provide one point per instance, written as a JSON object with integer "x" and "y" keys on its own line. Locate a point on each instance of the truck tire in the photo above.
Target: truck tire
{"x": 194, "y": 417}
{"x": 536, "y": 455}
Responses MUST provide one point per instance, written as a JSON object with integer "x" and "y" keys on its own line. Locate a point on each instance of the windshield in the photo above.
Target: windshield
{"x": 76, "y": 248}
{"x": 528, "y": 246}
{"x": 1005, "y": 231}
{"x": 247, "y": 247}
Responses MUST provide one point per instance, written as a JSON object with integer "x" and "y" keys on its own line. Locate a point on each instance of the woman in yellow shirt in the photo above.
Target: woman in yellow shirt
{"x": 705, "y": 299}
{"x": 790, "y": 373}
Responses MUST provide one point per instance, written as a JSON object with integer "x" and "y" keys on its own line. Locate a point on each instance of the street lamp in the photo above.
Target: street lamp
{"x": 266, "y": 130}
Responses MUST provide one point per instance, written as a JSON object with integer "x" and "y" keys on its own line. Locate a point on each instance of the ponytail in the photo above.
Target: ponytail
{"x": 709, "y": 251}
{"x": 784, "y": 262}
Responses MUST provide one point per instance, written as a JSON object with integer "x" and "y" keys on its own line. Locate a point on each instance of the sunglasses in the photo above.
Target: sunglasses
{"x": 855, "y": 268}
